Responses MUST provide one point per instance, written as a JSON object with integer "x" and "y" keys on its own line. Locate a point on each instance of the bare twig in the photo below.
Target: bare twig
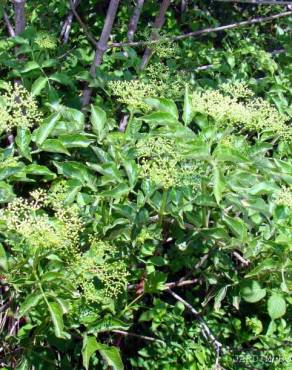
{"x": 135, "y": 19}
{"x": 67, "y": 24}
{"x": 144, "y": 337}
{"x": 173, "y": 284}
{"x": 89, "y": 35}
{"x": 204, "y": 327}
{"x": 123, "y": 123}
{"x": 241, "y": 259}
{"x": 257, "y": 2}
{"x": 9, "y": 26}
{"x": 184, "y": 5}
{"x": 204, "y": 31}
{"x": 5, "y": 306}
{"x": 158, "y": 23}
{"x": 181, "y": 283}
{"x": 101, "y": 46}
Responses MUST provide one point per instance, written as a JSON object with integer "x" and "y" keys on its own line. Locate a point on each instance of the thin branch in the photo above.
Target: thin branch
{"x": 181, "y": 283}
{"x": 123, "y": 123}
{"x": 67, "y": 24}
{"x": 173, "y": 284}
{"x": 135, "y": 19}
{"x": 204, "y": 31}
{"x": 257, "y": 2}
{"x": 241, "y": 259}
{"x": 5, "y": 306}
{"x": 101, "y": 46}
{"x": 184, "y": 5}
{"x": 9, "y": 26}
{"x": 204, "y": 327}
{"x": 89, "y": 35}
{"x": 144, "y": 337}
{"x": 158, "y": 23}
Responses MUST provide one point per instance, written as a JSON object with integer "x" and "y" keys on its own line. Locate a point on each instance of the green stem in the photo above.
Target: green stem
{"x": 163, "y": 205}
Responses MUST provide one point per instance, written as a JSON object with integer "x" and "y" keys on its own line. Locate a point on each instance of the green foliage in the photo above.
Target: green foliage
{"x": 194, "y": 194}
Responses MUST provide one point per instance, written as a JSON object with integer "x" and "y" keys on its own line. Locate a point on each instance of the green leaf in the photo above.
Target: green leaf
{"x": 219, "y": 297}
{"x": 51, "y": 276}
{"x": 155, "y": 282}
{"x": 106, "y": 325}
{"x": 237, "y": 226}
{"x": 74, "y": 117}
{"x": 264, "y": 188}
{"x": 38, "y": 170}
{"x": 62, "y": 78}
{"x": 38, "y": 85}
{"x": 31, "y": 301}
{"x": 90, "y": 346}
{"x": 251, "y": 291}
{"x": 159, "y": 118}
{"x": 3, "y": 259}
{"x": 276, "y": 306}
{"x": 56, "y": 313}
{"x": 78, "y": 171}
{"x": 164, "y": 105}
{"x": 111, "y": 355}
{"x": 6, "y": 192}
{"x": 24, "y": 365}
{"x": 117, "y": 192}
{"x": 187, "y": 110}
{"x": 75, "y": 141}
{"x": 22, "y": 140}
{"x": 226, "y": 154}
{"x": 9, "y": 171}
{"x": 219, "y": 184}
{"x": 54, "y": 146}
{"x": 268, "y": 264}
{"x": 44, "y": 131}
{"x": 29, "y": 66}
{"x": 98, "y": 121}
{"x": 132, "y": 171}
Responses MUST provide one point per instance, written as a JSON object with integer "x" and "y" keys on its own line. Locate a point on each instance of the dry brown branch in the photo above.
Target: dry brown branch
{"x": 67, "y": 24}
{"x": 8, "y": 24}
{"x": 180, "y": 283}
{"x": 158, "y": 23}
{"x": 241, "y": 259}
{"x": 83, "y": 25}
{"x": 208, "y": 335}
{"x": 101, "y": 46}
{"x": 204, "y": 31}
{"x": 257, "y": 2}
{"x": 135, "y": 19}
{"x": 19, "y": 16}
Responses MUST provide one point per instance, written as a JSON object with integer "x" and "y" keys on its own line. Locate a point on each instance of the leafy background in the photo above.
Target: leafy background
{"x": 151, "y": 228}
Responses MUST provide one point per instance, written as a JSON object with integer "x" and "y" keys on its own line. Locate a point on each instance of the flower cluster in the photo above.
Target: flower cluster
{"x": 8, "y": 162}
{"x": 132, "y": 93}
{"x": 18, "y": 108}
{"x": 35, "y": 229}
{"x": 284, "y": 197}
{"x": 46, "y": 41}
{"x": 99, "y": 274}
{"x": 251, "y": 115}
{"x": 161, "y": 164}
{"x": 165, "y": 49}
{"x": 165, "y": 82}
{"x": 157, "y": 81}
{"x": 237, "y": 89}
